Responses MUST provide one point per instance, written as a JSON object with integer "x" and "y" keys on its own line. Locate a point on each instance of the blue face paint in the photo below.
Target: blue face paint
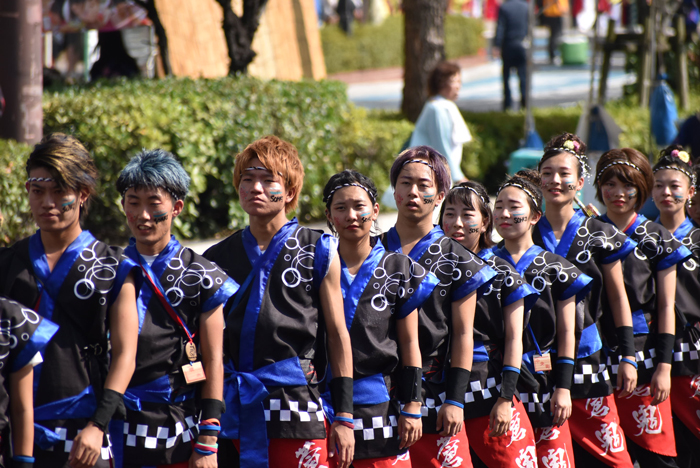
{"x": 473, "y": 228}
{"x": 160, "y": 216}
{"x": 365, "y": 217}
{"x": 275, "y": 196}
{"x": 67, "y": 206}
{"x": 428, "y": 199}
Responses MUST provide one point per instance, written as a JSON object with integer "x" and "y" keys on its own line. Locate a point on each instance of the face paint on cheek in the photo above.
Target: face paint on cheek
{"x": 244, "y": 194}
{"x": 519, "y": 218}
{"x": 399, "y": 199}
{"x": 569, "y": 184}
{"x": 365, "y": 217}
{"x": 473, "y": 228}
{"x": 67, "y": 205}
{"x": 275, "y": 196}
{"x": 631, "y": 193}
{"x": 160, "y": 216}
{"x": 131, "y": 218}
{"x": 428, "y": 199}
{"x": 677, "y": 197}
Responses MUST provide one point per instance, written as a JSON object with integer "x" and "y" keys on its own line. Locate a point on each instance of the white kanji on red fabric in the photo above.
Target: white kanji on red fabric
{"x": 597, "y": 407}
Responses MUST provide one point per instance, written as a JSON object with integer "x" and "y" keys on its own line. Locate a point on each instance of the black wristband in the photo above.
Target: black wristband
{"x": 211, "y": 409}
{"x": 410, "y": 384}
{"x": 509, "y": 382}
{"x": 457, "y": 384}
{"x": 108, "y": 404}
{"x": 564, "y": 373}
{"x": 341, "y": 394}
{"x": 664, "y": 347}
{"x": 625, "y": 339}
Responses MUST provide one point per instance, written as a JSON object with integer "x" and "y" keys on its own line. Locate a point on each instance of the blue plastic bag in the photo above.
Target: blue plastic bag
{"x": 664, "y": 114}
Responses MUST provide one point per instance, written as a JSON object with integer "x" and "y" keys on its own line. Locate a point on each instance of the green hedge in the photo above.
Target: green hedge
{"x": 205, "y": 123}
{"x": 381, "y": 46}
{"x": 14, "y": 205}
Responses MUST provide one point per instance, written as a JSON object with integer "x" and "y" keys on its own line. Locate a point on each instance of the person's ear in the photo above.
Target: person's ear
{"x": 439, "y": 198}
{"x": 579, "y": 185}
{"x": 375, "y": 212}
{"x": 534, "y": 217}
{"x": 177, "y": 207}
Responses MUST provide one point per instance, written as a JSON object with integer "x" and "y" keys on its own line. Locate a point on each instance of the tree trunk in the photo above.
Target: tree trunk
{"x": 239, "y": 33}
{"x": 21, "y": 70}
{"x": 150, "y": 7}
{"x": 424, "y": 48}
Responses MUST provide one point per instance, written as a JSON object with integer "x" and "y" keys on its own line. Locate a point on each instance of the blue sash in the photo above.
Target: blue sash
{"x": 82, "y": 405}
{"x": 244, "y": 393}
{"x": 366, "y": 391}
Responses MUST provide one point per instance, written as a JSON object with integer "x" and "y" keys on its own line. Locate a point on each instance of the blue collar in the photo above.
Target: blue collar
{"x": 639, "y": 219}
{"x": 160, "y": 263}
{"x": 50, "y": 282}
{"x": 485, "y": 254}
{"x": 353, "y": 292}
{"x": 524, "y": 261}
{"x": 550, "y": 242}
{"x": 394, "y": 242}
{"x": 683, "y": 230}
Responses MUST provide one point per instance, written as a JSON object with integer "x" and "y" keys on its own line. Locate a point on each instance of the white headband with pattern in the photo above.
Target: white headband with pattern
{"x": 615, "y": 163}
{"x": 338, "y": 187}
{"x": 693, "y": 179}
{"x": 473, "y": 190}
{"x": 521, "y": 187}
{"x": 39, "y": 179}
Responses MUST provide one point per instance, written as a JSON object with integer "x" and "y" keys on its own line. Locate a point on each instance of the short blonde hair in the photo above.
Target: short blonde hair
{"x": 277, "y": 156}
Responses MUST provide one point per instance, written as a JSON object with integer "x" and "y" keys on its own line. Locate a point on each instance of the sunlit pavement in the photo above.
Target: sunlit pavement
{"x": 482, "y": 86}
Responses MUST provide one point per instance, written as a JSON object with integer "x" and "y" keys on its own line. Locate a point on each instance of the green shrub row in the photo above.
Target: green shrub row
{"x": 381, "y": 46}
{"x": 205, "y": 123}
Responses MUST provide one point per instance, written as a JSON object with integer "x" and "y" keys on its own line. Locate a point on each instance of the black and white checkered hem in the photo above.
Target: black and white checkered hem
{"x": 164, "y": 435}
{"x": 430, "y": 404}
{"x": 642, "y": 358}
{"x": 313, "y": 412}
{"x": 533, "y": 403}
{"x": 476, "y": 392}
{"x": 587, "y": 373}
{"x": 688, "y": 351}
{"x": 67, "y": 444}
{"x": 377, "y": 428}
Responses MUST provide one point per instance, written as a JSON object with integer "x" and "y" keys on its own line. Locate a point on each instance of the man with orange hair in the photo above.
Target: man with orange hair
{"x": 288, "y": 307}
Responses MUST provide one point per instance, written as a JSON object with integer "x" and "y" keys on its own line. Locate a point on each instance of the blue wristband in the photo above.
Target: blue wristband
{"x": 411, "y": 415}
{"x": 23, "y": 459}
{"x": 455, "y": 403}
{"x": 344, "y": 419}
{"x": 629, "y": 361}
{"x": 565, "y": 360}
{"x": 206, "y": 453}
{"x": 209, "y": 428}
{"x": 511, "y": 369}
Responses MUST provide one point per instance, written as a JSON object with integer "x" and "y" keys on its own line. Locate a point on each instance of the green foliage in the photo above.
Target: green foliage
{"x": 381, "y": 46}
{"x": 17, "y": 221}
{"x": 205, "y": 123}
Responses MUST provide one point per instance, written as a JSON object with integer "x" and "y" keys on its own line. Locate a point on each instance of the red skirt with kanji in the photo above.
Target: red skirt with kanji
{"x": 434, "y": 450}
{"x": 595, "y": 426}
{"x": 650, "y": 427}
{"x": 554, "y": 446}
{"x": 516, "y": 445}
{"x": 685, "y": 401}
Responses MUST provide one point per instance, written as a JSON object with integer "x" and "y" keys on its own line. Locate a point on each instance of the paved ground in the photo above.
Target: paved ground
{"x": 482, "y": 85}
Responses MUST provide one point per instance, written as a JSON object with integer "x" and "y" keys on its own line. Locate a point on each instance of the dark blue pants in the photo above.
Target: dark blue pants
{"x": 514, "y": 56}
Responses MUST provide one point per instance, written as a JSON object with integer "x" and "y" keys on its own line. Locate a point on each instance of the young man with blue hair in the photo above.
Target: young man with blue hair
{"x": 179, "y": 362}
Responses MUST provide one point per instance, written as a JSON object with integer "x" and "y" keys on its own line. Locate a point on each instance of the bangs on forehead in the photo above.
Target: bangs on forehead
{"x": 463, "y": 196}
{"x": 271, "y": 165}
